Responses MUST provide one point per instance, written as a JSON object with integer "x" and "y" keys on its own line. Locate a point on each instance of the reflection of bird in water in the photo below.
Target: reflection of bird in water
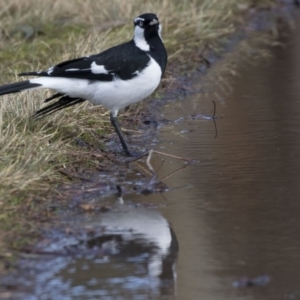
{"x": 142, "y": 237}
{"x": 128, "y": 252}
{"x": 144, "y": 227}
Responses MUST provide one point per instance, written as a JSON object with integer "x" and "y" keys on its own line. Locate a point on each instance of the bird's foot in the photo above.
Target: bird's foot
{"x": 135, "y": 154}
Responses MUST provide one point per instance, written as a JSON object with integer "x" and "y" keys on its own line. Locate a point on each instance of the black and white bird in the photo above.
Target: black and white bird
{"x": 115, "y": 78}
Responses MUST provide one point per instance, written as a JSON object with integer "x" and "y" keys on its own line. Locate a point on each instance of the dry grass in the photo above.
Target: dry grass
{"x": 31, "y": 150}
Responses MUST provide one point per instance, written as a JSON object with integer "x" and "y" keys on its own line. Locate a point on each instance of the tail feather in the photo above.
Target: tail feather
{"x": 17, "y": 87}
{"x": 33, "y": 73}
{"x": 53, "y": 97}
{"x": 62, "y": 103}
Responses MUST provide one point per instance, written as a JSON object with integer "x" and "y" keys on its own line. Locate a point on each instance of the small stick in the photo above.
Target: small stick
{"x": 136, "y": 158}
{"x": 215, "y": 108}
{"x": 71, "y": 176}
{"x": 174, "y": 172}
{"x": 145, "y": 170}
{"x": 174, "y": 156}
{"x": 214, "y": 118}
{"x": 163, "y": 162}
{"x": 148, "y": 162}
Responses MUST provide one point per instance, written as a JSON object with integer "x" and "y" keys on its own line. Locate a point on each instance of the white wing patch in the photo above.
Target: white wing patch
{"x": 95, "y": 69}
{"x": 50, "y": 70}
{"x": 98, "y": 69}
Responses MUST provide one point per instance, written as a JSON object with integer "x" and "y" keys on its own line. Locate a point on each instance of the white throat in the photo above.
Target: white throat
{"x": 159, "y": 31}
{"x": 139, "y": 39}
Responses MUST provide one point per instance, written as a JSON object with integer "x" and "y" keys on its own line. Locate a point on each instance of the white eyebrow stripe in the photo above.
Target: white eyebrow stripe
{"x": 138, "y": 19}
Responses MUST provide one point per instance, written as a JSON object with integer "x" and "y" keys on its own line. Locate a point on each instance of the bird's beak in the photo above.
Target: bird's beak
{"x": 154, "y": 22}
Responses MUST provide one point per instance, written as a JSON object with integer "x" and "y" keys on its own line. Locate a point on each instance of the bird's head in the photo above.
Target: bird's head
{"x": 146, "y": 26}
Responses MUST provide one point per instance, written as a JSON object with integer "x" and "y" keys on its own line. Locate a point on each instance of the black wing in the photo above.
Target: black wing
{"x": 123, "y": 61}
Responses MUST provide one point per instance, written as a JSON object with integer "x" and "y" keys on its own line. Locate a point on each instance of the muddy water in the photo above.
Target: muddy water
{"x": 230, "y": 220}
{"x": 242, "y": 215}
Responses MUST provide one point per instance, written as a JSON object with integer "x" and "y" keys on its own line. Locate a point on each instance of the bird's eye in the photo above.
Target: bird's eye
{"x": 141, "y": 23}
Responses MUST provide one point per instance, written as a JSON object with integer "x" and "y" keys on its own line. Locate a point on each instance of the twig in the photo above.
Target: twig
{"x": 163, "y": 162}
{"x": 71, "y": 176}
{"x": 148, "y": 162}
{"x": 171, "y": 155}
{"x": 145, "y": 170}
{"x": 215, "y": 108}
{"x": 176, "y": 171}
{"x": 130, "y": 160}
{"x": 214, "y": 119}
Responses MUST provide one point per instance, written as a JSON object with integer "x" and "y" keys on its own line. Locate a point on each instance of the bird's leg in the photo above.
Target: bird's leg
{"x": 114, "y": 123}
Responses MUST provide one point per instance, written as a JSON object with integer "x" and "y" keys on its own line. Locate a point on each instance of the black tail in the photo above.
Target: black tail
{"x": 17, "y": 87}
{"x": 63, "y": 102}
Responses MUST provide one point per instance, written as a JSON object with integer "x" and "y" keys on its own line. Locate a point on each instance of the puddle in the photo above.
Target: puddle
{"x": 229, "y": 226}
{"x": 124, "y": 253}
